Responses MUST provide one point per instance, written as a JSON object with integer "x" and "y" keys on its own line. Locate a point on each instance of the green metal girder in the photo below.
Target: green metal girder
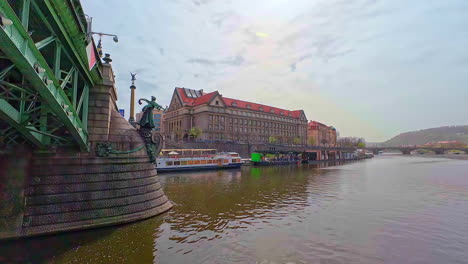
{"x": 43, "y": 43}
{"x": 13, "y": 117}
{"x": 65, "y": 20}
{"x": 22, "y": 51}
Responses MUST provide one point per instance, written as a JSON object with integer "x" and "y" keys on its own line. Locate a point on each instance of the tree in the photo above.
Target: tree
{"x": 272, "y": 140}
{"x": 311, "y": 141}
{"x": 351, "y": 142}
{"x": 195, "y": 132}
{"x": 361, "y": 145}
{"x": 297, "y": 140}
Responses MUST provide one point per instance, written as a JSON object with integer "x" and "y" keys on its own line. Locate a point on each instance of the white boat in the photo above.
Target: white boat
{"x": 196, "y": 159}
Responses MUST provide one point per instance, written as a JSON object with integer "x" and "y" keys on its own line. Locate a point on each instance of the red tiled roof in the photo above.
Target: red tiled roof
{"x": 259, "y": 107}
{"x": 315, "y": 123}
{"x": 205, "y": 98}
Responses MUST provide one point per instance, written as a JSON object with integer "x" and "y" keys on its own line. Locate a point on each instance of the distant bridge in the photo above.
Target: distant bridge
{"x": 407, "y": 150}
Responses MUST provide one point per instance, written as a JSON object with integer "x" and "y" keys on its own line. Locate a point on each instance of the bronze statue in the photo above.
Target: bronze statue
{"x": 146, "y": 119}
{"x": 133, "y": 77}
{"x": 152, "y": 140}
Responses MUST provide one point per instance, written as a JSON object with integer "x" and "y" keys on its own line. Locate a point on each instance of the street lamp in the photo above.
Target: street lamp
{"x": 99, "y": 46}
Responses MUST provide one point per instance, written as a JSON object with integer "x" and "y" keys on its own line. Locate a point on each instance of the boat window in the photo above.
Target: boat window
{"x": 190, "y": 162}
{"x": 196, "y": 162}
{"x": 226, "y": 161}
{"x": 203, "y": 161}
{"x": 176, "y": 163}
{"x": 169, "y": 163}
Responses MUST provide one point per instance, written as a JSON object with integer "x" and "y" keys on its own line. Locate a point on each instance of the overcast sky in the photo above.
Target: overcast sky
{"x": 371, "y": 68}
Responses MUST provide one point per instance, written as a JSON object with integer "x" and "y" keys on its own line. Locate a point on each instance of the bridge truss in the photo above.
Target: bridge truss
{"x": 44, "y": 76}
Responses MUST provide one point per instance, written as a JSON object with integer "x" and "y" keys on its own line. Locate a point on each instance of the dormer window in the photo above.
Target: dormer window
{"x": 234, "y": 103}
{"x": 261, "y": 108}
{"x": 290, "y": 114}
{"x": 272, "y": 111}
{"x": 281, "y": 113}
{"x": 249, "y": 106}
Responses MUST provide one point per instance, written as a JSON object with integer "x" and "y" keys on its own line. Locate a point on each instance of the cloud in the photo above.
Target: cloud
{"x": 293, "y": 66}
{"x": 231, "y": 61}
{"x": 201, "y": 61}
{"x": 259, "y": 47}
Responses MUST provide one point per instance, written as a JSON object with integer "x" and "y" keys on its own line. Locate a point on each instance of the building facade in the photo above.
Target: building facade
{"x": 226, "y": 119}
{"x": 319, "y": 134}
{"x": 158, "y": 117}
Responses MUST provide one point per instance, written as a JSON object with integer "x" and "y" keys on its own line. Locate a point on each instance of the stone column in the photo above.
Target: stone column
{"x": 102, "y": 99}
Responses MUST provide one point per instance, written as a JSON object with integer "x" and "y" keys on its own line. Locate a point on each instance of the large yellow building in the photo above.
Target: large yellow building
{"x": 227, "y": 119}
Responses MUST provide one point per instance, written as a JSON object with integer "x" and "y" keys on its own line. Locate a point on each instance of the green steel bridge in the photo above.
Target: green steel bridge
{"x": 44, "y": 74}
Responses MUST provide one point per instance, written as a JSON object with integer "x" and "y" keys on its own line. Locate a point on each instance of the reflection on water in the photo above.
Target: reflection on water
{"x": 387, "y": 210}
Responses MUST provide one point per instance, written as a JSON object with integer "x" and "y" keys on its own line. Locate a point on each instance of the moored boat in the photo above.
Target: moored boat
{"x": 196, "y": 159}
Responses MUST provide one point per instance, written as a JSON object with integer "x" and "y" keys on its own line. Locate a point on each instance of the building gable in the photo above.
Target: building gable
{"x": 176, "y": 103}
{"x": 217, "y": 100}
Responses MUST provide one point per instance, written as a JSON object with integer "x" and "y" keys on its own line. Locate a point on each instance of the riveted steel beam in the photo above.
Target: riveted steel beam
{"x": 13, "y": 118}
{"x": 22, "y": 51}
{"x": 4, "y": 72}
{"x": 58, "y": 10}
{"x": 43, "y": 43}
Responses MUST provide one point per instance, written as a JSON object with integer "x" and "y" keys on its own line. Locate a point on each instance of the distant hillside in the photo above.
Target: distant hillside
{"x": 424, "y": 136}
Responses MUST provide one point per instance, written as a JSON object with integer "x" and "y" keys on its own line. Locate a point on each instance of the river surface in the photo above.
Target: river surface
{"x": 390, "y": 209}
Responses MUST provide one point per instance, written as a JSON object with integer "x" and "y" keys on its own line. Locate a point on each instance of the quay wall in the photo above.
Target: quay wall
{"x": 244, "y": 149}
{"x": 64, "y": 189}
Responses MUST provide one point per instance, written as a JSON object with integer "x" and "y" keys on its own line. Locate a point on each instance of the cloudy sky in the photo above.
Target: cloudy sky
{"x": 371, "y": 68}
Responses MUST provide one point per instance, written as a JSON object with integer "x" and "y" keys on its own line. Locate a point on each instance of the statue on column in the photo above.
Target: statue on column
{"x": 152, "y": 139}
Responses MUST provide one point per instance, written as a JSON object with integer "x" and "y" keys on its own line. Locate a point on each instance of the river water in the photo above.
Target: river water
{"x": 390, "y": 209}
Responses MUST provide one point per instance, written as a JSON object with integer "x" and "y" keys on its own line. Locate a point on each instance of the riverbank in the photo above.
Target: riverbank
{"x": 445, "y": 156}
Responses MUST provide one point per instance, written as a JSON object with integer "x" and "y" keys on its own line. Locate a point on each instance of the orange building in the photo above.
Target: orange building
{"x": 319, "y": 134}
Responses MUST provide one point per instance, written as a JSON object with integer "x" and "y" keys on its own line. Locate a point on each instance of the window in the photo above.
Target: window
{"x": 217, "y": 102}
{"x": 176, "y": 163}
{"x": 183, "y": 162}
{"x": 249, "y": 106}
{"x": 234, "y": 103}
{"x": 157, "y": 115}
{"x": 169, "y": 163}
{"x": 260, "y": 108}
